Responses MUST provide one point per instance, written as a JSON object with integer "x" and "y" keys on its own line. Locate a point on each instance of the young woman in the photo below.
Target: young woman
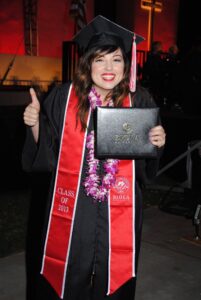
{"x": 92, "y": 238}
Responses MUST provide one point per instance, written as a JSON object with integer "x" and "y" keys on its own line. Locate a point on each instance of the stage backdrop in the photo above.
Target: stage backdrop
{"x": 55, "y": 25}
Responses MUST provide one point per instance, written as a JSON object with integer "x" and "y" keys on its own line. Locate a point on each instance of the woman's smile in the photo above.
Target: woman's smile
{"x": 108, "y": 76}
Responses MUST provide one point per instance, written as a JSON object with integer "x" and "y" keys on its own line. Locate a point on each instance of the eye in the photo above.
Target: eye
{"x": 98, "y": 59}
{"x": 118, "y": 60}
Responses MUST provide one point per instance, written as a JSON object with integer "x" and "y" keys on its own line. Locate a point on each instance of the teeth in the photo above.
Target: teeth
{"x": 108, "y": 77}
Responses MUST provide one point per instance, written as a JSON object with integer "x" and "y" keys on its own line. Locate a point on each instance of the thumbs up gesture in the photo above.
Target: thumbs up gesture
{"x": 31, "y": 113}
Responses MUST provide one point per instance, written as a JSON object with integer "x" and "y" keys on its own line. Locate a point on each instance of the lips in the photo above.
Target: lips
{"x": 108, "y": 76}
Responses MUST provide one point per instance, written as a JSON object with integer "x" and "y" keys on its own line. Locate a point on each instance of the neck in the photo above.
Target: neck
{"x": 102, "y": 94}
{"x": 95, "y": 99}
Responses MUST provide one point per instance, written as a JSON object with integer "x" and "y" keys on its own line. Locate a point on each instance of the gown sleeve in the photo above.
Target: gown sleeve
{"x": 42, "y": 157}
{"x": 146, "y": 169}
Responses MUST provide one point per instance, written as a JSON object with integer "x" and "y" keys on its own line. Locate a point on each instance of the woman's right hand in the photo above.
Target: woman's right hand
{"x": 31, "y": 115}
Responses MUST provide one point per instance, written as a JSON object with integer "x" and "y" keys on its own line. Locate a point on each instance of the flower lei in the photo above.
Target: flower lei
{"x": 93, "y": 187}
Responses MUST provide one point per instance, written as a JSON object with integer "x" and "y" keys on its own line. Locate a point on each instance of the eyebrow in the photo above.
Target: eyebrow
{"x": 102, "y": 55}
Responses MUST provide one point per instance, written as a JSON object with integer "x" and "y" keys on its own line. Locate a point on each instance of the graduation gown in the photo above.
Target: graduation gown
{"x": 87, "y": 271}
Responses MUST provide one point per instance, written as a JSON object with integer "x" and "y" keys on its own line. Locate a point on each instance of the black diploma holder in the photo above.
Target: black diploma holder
{"x": 124, "y": 132}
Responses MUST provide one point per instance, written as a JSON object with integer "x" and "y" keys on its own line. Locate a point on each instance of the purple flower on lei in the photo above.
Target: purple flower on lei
{"x": 94, "y": 187}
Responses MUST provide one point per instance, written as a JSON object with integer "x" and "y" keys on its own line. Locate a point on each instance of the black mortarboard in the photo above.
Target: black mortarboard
{"x": 103, "y": 32}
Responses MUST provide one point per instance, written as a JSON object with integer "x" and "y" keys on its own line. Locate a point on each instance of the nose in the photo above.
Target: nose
{"x": 108, "y": 65}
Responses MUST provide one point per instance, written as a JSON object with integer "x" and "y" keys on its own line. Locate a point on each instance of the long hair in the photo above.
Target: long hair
{"x": 82, "y": 81}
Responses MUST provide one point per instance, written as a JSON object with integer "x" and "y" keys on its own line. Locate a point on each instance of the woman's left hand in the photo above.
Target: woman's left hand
{"x": 157, "y": 136}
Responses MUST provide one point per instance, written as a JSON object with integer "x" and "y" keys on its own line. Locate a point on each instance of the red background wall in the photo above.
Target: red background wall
{"x": 55, "y": 25}
{"x": 11, "y": 27}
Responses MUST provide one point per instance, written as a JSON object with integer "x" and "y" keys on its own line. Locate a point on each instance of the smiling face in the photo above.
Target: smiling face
{"x": 107, "y": 70}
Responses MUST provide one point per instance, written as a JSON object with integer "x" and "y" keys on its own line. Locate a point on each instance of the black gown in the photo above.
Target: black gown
{"x": 88, "y": 262}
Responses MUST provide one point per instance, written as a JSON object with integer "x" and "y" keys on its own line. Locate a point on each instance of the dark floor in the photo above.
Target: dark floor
{"x": 170, "y": 258}
{"x": 170, "y": 264}
{"x": 169, "y": 268}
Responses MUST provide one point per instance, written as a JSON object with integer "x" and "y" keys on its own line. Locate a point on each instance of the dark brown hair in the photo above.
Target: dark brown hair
{"x": 83, "y": 82}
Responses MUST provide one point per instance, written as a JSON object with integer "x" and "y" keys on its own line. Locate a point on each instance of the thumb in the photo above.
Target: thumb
{"x": 34, "y": 100}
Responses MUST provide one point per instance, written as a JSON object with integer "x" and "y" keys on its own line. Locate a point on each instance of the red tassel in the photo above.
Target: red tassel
{"x": 132, "y": 84}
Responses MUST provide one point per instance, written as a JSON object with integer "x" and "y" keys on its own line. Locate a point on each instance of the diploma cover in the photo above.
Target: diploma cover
{"x": 124, "y": 132}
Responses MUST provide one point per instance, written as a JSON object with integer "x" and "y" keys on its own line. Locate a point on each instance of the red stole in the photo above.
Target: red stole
{"x": 66, "y": 190}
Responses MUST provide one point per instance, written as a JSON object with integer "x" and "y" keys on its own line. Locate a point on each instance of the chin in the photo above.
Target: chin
{"x": 110, "y": 86}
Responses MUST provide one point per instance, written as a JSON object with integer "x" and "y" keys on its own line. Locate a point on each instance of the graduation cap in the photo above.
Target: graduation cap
{"x": 103, "y": 32}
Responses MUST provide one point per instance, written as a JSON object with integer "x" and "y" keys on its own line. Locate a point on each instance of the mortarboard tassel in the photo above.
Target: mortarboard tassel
{"x": 132, "y": 84}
